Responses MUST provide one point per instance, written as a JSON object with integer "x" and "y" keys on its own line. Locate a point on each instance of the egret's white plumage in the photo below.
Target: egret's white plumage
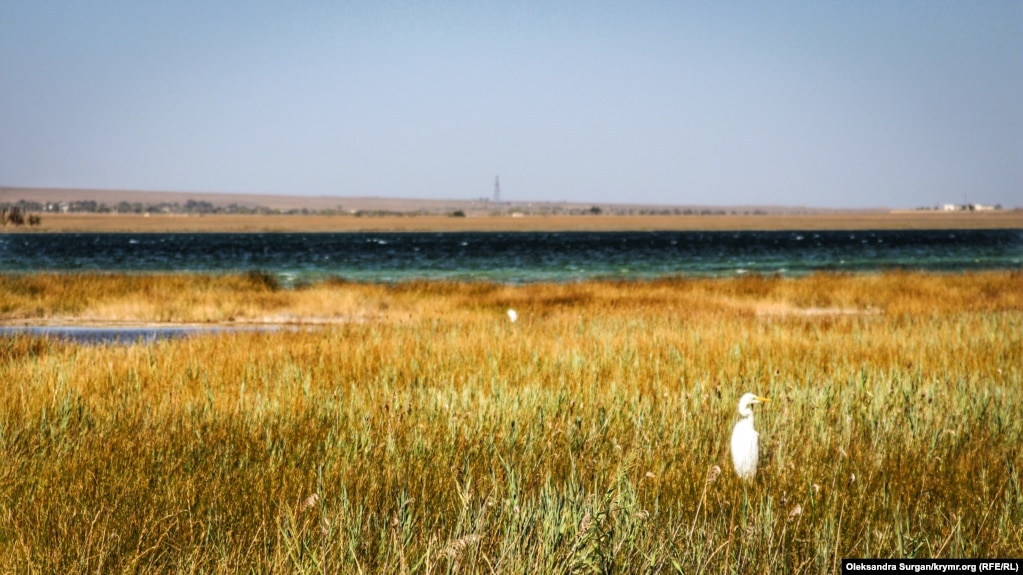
{"x": 513, "y": 315}
{"x": 745, "y": 439}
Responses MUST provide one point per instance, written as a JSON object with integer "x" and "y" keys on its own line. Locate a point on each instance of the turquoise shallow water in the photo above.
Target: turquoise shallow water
{"x": 125, "y": 335}
{"x": 519, "y": 257}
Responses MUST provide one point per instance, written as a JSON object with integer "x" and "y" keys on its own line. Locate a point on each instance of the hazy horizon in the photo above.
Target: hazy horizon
{"x": 110, "y": 197}
{"x": 827, "y": 105}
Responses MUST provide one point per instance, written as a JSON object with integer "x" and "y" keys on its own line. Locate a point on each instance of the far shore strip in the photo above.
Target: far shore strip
{"x": 141, "y": 223}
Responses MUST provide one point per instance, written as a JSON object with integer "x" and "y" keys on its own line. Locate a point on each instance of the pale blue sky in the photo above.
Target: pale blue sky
{"x": 815, "y": 103}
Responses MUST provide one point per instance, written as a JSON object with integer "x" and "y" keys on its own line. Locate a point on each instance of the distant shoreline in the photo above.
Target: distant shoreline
{"x": 849, "y": 220}
{"x": 372, "y": 214}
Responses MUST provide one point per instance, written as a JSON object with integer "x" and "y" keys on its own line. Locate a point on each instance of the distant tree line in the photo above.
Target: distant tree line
{"x": 94, "y": 207}
{"x": 16, "y": 210}
{"x": 14, "y": 216}
{"x": 190, "y": 207}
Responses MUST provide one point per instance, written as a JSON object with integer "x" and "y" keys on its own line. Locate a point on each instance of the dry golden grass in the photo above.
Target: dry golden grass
{"x": 256, "y": 298}
{"x": 423, "y": 432}
{"x": 317, "y": 223}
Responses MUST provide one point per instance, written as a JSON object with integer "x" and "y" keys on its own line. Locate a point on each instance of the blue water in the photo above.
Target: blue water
{"x": 121, "y": 335}
{"x": 515, "y": 257}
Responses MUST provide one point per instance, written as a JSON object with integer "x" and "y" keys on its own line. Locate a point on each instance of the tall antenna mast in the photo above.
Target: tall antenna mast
{"x": 497, "y": 190}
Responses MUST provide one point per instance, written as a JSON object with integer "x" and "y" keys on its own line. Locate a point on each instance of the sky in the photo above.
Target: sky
{"x": 817, "y": 103}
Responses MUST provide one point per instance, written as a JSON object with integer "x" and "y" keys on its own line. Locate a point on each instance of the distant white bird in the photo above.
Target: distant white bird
{"x": 745, "y": 439}
{"x": 513, "y": 315}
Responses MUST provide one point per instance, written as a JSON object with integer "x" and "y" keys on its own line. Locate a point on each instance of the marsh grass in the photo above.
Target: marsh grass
{"x": 257, "y": 297}
{"x": 422, "y": 432}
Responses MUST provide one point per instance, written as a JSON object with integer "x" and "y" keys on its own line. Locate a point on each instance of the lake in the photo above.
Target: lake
{"x": 514, "y": 257}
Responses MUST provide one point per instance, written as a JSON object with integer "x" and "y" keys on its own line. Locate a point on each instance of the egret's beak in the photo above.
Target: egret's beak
{"x": 763, "y": 399}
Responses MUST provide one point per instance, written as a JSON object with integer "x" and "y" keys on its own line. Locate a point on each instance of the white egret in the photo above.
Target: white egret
{"x": 513, "y": 315}
{"x": 745, "y": 439}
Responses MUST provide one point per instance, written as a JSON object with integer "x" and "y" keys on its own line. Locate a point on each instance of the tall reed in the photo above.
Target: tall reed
{"x": 430, "y": 434}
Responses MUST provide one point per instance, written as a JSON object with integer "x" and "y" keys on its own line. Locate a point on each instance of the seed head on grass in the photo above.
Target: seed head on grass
{"x": 713, "y": 473}
{"x": 309, "y": 503}
{"x": 795, "y": 512}
{"x": 454, "y": 549}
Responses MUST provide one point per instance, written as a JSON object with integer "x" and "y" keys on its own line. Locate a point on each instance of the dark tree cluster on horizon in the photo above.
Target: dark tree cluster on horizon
{"x": 94, "y": 207}
{"x": 15, "y": 217}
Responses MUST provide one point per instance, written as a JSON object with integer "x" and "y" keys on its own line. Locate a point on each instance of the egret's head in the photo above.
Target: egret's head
{"x": 747, "y": 400}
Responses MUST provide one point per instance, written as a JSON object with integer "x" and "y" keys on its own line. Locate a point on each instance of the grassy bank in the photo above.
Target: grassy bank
{"x": 416, "y": 429}
{"x": 837, "y": 220}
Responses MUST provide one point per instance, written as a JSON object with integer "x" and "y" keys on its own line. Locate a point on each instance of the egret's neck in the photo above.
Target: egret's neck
{"x": 746, "y": 412}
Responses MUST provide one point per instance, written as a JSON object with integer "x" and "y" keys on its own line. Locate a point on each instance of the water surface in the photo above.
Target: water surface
{"x": 120, "y": 335}
{"x": 515, "y": 257}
